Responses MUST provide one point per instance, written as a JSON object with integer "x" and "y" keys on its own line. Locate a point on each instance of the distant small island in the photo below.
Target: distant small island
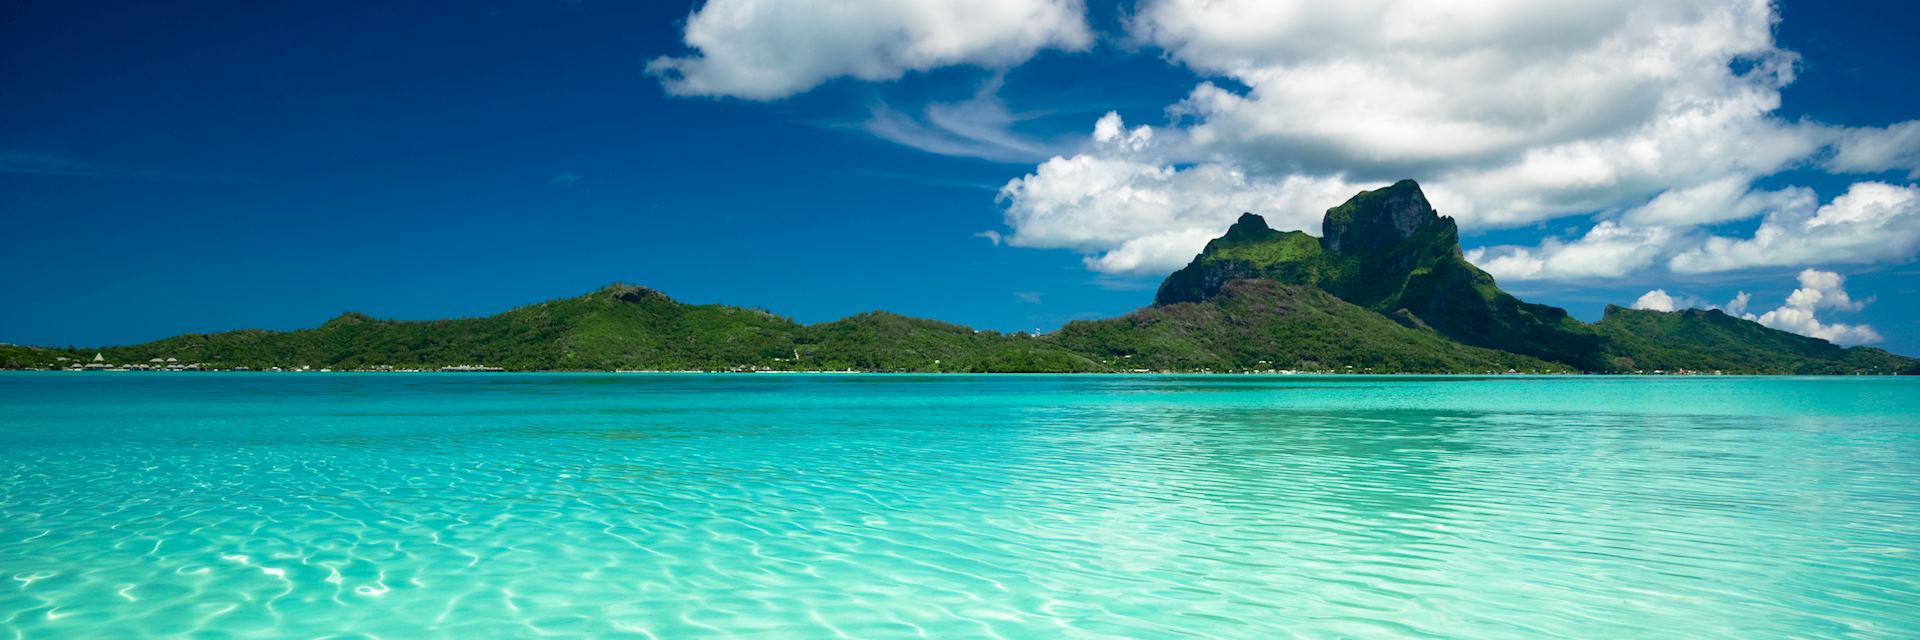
{"x": 1384, "y": 289}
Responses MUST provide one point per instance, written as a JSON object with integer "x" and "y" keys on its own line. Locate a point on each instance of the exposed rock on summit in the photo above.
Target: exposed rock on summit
{"x": 1379, "y": 220}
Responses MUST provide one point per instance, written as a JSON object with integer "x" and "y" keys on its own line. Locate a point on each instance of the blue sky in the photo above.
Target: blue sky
{"x": 204, "y": 166}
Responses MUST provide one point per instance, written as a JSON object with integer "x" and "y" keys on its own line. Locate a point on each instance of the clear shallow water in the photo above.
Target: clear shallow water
{"x": 484, "y": 505}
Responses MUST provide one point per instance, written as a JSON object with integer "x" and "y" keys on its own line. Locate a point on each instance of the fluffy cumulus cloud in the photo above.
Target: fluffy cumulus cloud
{"x": 762, "y": 50}
{"x": 1655, "y": 300}
{"x": 1608, "y": 250}
{"x": 1660, "y": 300}
{"x": 1655, "y": 116}
{"x": 1520, "y": 110}
{"x": 1871, "y": 222}
{"x": 1819, "y": 291}
{"x": 1133, "y": 214}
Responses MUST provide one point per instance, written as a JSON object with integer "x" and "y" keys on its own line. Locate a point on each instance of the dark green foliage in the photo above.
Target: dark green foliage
{"x": 1249, "y": 250}
{"x": 617, "y": 327}
{"x": 1461, "y": 302}
{"x": 13, "y": 356}
{"x": 1708, "y": 340}
{"x": 1263, "y": 324}
{"x": 880, "y": 341}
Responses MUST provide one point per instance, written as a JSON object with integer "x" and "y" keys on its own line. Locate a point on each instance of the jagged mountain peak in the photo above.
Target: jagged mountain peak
{"x": 1248, "y": 226}
{"x": 1378, "y": 220}
{"x": 1389, "y": 251}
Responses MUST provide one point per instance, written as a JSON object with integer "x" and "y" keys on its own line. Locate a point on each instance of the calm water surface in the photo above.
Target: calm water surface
{"x": 673, "y": 506}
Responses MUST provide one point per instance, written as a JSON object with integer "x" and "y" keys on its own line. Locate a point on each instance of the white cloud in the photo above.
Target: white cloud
{"x": 1656, "y": 116}
{"x": 1608, "y": 250}
{"x": 1819, "y": 290}
{"x": 1135, "y": 215}
{"x": 1110, "y": 129}
{"x": 766, "y": 50}
{"x": 1655, "y": 300}
{"x": 1660, "y": 300}
{"x": 1871, "y": 222}
{"x": 1154, "y": 254}
{"x": 979, "y": 127}
{"x": 1719, "y": 200}
{"x": 1738, "y": 306}
{"x": 1520, "y": 110}
{"x": 1823, "y": 290}
{"x": 1874, "y": 150}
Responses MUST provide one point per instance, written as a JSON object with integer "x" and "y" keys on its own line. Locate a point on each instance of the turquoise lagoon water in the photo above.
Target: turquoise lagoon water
{"x": 673, "y": 506}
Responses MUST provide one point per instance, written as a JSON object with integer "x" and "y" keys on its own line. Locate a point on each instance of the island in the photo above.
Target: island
{"x": 1383, "y": 289}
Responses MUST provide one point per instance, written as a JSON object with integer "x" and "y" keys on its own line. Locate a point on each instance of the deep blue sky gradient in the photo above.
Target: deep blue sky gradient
{"x": 203, "y": 166}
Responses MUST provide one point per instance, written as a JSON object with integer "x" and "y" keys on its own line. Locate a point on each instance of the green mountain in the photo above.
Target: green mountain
{"x": 1388, "y": 250}
{"x": 620, "y": 326}
{"x": 1260, "y": 324}
{"x": 1383, "y": 289}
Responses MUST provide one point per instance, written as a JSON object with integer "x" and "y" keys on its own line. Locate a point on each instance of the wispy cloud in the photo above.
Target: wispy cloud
{"x": 44, "y": 164}
{"x": 564, "y": 179}
{"x": 40, "y": 163}
{"x": 978, "y": 127}
{"x": 1029, "y": 297}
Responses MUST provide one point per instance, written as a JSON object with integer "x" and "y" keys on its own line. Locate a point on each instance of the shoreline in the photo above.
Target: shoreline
{"x": 1144, "y": 374}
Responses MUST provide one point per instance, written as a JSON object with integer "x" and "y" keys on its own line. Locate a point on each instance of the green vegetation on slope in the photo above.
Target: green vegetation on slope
{"x": 1264, "y": 324}
{"x": 1708, "y": 340}
{"x": 13, "y": 356}
{"x": 1250, "y": 250}
{"x": 881, "y": 341}
{"x": 617, "y": 327}
{"x": 1389, "y": 251}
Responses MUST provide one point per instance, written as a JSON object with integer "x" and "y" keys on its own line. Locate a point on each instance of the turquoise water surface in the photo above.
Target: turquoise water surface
{"x": 794, "y": 506}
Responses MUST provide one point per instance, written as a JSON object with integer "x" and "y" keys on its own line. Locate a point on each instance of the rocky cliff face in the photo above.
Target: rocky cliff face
{"x": 1248, "y": 227}
{"x": 1375, "y": 222}
{"x": 1250, "y": 250}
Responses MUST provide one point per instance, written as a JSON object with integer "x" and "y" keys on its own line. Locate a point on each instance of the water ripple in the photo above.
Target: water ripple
{"x": 940, "y": 507}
